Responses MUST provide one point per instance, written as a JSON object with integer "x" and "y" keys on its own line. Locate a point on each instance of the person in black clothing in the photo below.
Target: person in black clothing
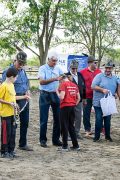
{"x": 79, "y": 80}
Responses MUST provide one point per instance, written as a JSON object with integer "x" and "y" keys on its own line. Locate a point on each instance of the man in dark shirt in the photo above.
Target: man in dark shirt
{"x": 79, "y": 81}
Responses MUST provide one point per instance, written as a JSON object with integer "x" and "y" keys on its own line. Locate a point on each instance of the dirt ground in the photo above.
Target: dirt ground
{"x": 95, "y": 161}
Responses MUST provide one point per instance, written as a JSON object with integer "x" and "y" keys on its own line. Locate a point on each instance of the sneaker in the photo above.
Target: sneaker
{"x": 75, "y": 148}
{"x": 5, "y": 155}
{"x": 58, "y": 143}
{"x": 96, "y": 139}
{"x": 109, "y": 139}
{"x": 88, "y": 134}
{"x": 25, "y": 148}
{"x": 43, "y": 144}
{"x": 65, "y": 149}
{"x": 12, "y": 154}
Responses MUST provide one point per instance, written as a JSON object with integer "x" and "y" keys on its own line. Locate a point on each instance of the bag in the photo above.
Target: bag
{"x": 108, "y": 104}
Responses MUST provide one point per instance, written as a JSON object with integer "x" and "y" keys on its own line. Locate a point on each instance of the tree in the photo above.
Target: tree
{"x": 33, "y": 25}
{"x": 95, "y": 25}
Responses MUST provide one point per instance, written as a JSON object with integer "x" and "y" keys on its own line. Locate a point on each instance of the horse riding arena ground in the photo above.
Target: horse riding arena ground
{"x": 95, "y": 161}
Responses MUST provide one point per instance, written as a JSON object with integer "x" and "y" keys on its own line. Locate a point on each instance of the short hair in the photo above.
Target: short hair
{"x": 11, "y": 72}
{"x": 52, "y": 54}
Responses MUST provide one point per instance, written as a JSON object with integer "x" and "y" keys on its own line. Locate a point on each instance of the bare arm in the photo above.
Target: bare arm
{"x": 61, "y": 95}
{"x": 23, "y": 97}
{"x": 102, "y": 90}
{"x": 4, "y": 102}
{"x": 47, "y": 81}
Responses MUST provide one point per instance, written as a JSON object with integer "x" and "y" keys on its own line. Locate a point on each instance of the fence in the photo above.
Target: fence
{"x": 32, "y": 73}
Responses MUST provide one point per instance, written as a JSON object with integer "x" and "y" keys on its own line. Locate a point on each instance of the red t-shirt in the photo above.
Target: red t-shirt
{"x": 88, "y": 77}
{"x": 71, "y": 91}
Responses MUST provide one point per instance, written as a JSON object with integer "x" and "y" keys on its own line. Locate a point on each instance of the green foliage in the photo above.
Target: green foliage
{"x": 5, "y": 63}
{"x": 94, "y": 24}
{"x": 113, "y": 54}
{"x": 33, "y": 62}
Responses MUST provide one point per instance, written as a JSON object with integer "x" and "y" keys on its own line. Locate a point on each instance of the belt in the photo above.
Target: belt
{"x": 47, "y": 92}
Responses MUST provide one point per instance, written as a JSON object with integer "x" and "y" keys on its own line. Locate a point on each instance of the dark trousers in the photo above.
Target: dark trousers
{"x": 8, "y": 133}
{"x": 67, "y": 118}
{"x": 24, "y": 121}
{"x": 45, "y": 101}
{"x": 86, "y": 115}
{"x": 99, "y": 123}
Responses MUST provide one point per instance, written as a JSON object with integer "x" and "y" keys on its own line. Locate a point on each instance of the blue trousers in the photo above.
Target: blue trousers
{"x": 24, "y": 121}
{"x": 99, "y": 123}
{"x": 45, "y": 101}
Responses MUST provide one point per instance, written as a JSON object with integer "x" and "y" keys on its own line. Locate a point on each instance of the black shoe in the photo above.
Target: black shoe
{"x": 43, "y": 144}
{"x": 5, "y": 155}
{"x": 25, "y": 148}
{"x": 12, "y": 154}
{"x": 58, "y": 143}
{"x": 109, "y": 139}
{"x": 96, "y": 139}
{"x": 75, "y": 148}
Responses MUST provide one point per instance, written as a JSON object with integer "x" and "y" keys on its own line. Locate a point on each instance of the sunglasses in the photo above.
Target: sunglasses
{"x": 73, "y": 68}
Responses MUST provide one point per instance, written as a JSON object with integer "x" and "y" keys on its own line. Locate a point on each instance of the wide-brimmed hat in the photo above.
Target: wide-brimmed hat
{"x": 21, "y": 57}
{"x": 74, "y": 64}
{"x": 91, "y": 59}
{"x": 109, "y": 64}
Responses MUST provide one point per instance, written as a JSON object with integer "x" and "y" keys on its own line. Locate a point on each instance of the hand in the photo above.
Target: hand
{"x": 84, "y": 102}
{"x": 116, "y": 96}
{"x": 13, "y": 104}
{"x": 105, "y": 91}
{"x": 27, "y": 97}
{"x": 58, "y": 78}
{"x": 28, "y": 93}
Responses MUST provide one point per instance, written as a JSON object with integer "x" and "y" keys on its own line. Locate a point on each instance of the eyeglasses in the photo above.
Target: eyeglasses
{"x": 54, "y": 60}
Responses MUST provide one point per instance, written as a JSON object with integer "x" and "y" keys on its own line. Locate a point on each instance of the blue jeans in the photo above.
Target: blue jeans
{"x": 99, "y": 123}
{"x": 86, "y": 115}
{"x": 24, "y": 121}
{"x": 45, "y": 101}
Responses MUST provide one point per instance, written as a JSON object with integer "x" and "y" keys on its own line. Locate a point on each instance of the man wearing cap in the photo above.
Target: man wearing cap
{"x": 79, "y": 81}
{"x": 101, "y": 85}
{"x": 49, "y": 76}
{"x": 88, "y": 74}
{"x": 21, "y": 87}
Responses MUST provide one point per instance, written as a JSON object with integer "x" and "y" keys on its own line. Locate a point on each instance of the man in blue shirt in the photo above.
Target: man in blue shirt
{"x": 49, "y": 76}
{"x": 101, "y": 85}
{"x": 21, "y": 87}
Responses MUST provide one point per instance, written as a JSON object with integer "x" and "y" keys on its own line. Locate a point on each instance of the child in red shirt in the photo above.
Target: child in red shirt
{"x": 69, "y": 97}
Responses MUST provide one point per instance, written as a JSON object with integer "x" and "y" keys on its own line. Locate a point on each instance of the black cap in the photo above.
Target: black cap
{"x": 21, "y": 57}
{"x": 109, "y": 64}
{"x": 91, "y": 59}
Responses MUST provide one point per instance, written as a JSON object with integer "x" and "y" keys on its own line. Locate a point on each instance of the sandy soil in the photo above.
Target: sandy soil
{"x": 95, "y": 161}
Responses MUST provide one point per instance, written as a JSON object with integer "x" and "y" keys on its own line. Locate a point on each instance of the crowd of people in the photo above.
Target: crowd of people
{"x": 67, "y": 94}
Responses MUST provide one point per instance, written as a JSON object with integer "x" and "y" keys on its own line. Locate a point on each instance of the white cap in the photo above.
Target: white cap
{"x": 52, "y": 54}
